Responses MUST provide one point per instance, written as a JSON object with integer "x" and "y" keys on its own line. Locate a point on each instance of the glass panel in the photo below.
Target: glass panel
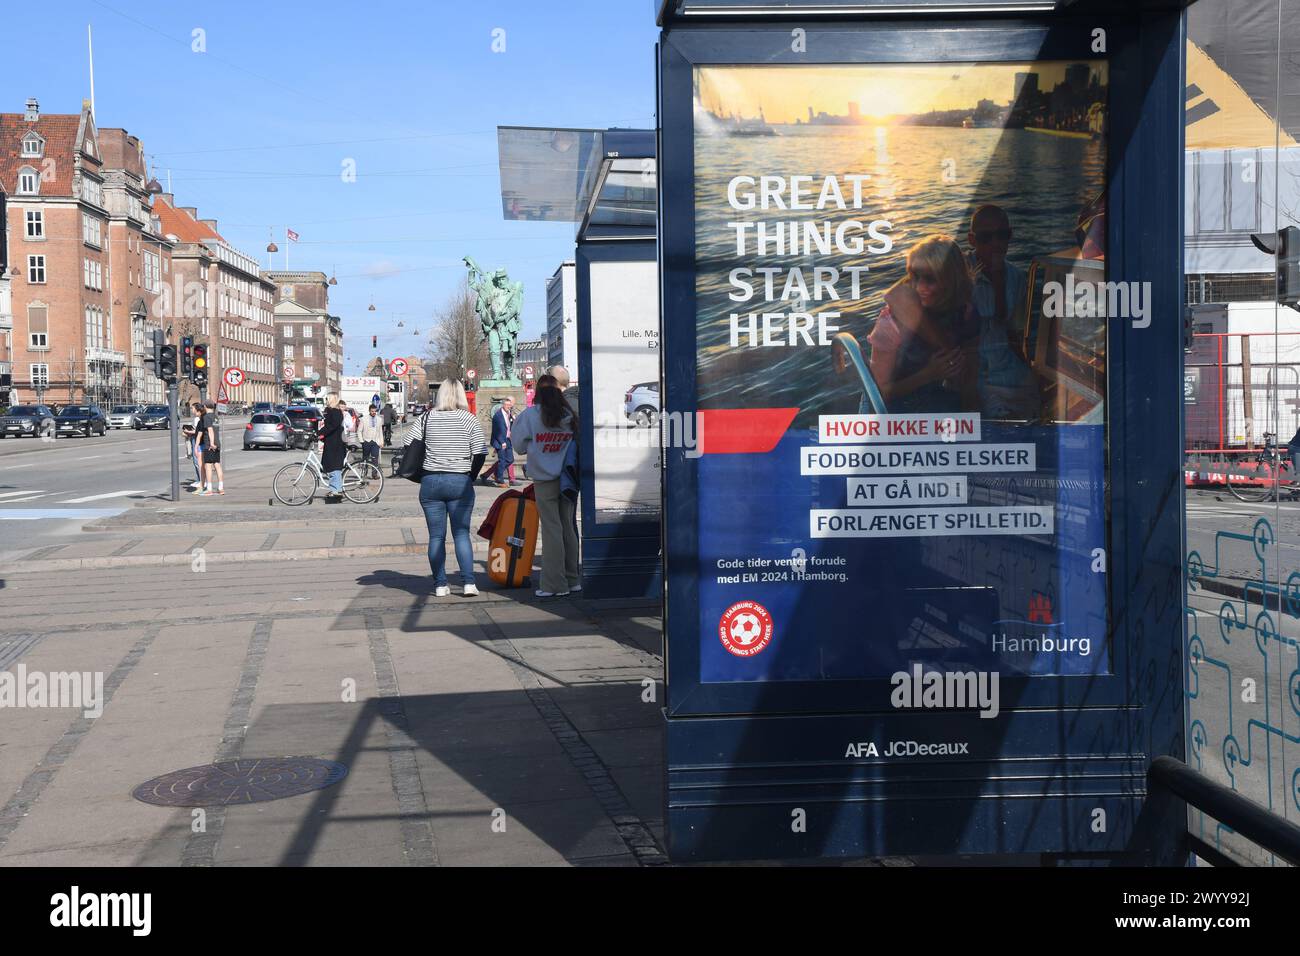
{"x": 1242, "y": 414}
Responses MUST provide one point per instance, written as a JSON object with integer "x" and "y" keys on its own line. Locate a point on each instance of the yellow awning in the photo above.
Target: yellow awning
{"x": 1220, "y": 114}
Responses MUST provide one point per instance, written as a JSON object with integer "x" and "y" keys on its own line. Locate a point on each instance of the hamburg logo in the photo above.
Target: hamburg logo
{"x": 1040, "y": 608}
{"x": 745, "y": 628}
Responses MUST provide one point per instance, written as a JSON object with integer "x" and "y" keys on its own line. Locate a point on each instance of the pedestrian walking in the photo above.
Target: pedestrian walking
{"x": 501, "y": 422}
{"x": 544, "y": 433}
{"x": 194, "y": 445}
{"x": 370, "y": 433}
{"x": 454, "y": 452}
{"x": 333, "y": 450}
{"x": 210, "y": 429}
{"x": 561, "y": 376}
{"x": 389, "y": 416}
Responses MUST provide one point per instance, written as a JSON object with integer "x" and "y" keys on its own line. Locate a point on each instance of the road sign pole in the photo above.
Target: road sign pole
{"x": 173, "y": 397}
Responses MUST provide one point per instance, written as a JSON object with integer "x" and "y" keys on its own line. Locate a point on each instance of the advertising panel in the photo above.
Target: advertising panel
{"x": 901, "y": 306}
{"x": 625, "y": 389}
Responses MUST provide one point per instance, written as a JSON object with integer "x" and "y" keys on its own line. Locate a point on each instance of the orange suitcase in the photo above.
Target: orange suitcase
{"x": 514, "y": 541}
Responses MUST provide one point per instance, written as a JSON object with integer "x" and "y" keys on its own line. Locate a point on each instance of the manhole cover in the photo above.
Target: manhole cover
{"x": 252, "y": 780}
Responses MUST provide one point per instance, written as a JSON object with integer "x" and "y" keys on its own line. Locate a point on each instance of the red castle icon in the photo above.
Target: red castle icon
{"x": 1040, "y": 608}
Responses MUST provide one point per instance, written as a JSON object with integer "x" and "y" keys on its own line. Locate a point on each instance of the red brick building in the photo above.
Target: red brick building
{"x": 220, "y": 296}
{"x": 64, "y": 344}
{"x": 308, "y": 338}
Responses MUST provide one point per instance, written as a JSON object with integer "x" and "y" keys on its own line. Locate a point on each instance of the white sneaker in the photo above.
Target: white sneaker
{"x": 471, "y": 590}
{"x": 546, "y": 594}
{"x": 441, "y": 590}
{"x": 575, "y": 589}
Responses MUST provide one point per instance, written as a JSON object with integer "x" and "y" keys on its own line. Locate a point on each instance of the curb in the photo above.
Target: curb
{"x": 213, "y": 557}
{"x": 271, "y": 525}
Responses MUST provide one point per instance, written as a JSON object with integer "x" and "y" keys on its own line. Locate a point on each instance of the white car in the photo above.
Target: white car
{"x": 123, "y": 416}
{"x": 641, "y": 404}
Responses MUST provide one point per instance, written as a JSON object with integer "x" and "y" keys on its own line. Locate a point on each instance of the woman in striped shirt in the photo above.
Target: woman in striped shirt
{"x": 454, "y": 452}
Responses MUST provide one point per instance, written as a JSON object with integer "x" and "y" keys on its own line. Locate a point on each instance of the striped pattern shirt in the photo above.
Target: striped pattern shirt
{"x": 451, "y": 440}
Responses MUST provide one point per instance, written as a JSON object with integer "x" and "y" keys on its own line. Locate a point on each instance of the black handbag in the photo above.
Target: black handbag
{"x": 411, "y": 465}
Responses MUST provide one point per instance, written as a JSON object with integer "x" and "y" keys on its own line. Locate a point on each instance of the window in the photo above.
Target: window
{"x": 152, "y": 275}
{"x": 29, "y": 181}
{"x": 92, "y": 191}
{"x": 35, "y": 224}
{"x": 306, "y": 351}
{"x": 40, "y": 375}
{"x": 306, "y": 331}
{"x": 92, "y": 274}
{"x": 38, "y": 328}
{"x": 33, "y": 145}
{"x": 36, "y": 269}
{"x": 308, "y": 371}
{"x": 288, "y": 351}
{"x": 90, "y": 229}
{"x": 288, "y": 331}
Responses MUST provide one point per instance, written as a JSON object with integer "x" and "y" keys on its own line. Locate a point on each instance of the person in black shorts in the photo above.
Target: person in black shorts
{"x": 211, "y": 433}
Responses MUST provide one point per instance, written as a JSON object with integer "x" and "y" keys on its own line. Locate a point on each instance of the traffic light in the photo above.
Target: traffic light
{"x": 200, "y": 370}
{"x": 166, "y": 368}
{"x": 1288, "y": 266}
{"x": 187, "y": 356}
{"x": 374, "y": 341}
{"x": 1285, "y": 245}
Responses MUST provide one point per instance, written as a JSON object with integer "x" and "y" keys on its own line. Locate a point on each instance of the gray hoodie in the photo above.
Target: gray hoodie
{"x": 545, "y": 447}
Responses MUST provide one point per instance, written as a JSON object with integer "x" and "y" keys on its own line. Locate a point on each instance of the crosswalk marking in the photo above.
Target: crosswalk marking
{"x": 111, "y": 494}
{"x": 15, "y": 494}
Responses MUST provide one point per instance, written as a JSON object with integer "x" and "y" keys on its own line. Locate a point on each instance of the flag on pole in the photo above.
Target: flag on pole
{"x": 291, "y": 234}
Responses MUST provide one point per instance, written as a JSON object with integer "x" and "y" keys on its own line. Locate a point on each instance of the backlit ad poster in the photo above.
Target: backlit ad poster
{"x": 901, "y": 369}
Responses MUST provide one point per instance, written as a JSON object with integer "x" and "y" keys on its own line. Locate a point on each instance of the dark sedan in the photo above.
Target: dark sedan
{"x": 306, "y": 422}
{"x": 153, "y": 416}
{"x": 84, "y": 420}
{"x": 22, "y": 420}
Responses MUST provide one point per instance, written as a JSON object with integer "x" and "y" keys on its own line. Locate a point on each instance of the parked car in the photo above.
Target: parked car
{"x": 123, "y": 416}
{"x": 306, "y": 421}
{"x": 260, "y": 407}
{"x": 85, "y": 420}
{"x": 269, "y": 430}
{"x": 641, "y": 404}
{"x": 34, "y": 420}
{"x": 153, "y": 416}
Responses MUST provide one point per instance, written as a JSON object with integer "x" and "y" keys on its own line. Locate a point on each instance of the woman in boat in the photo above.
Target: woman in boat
{"x": 925, "y": 360}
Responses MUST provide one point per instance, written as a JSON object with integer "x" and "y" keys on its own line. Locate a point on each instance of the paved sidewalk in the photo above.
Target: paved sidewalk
{"x": 496, "y": 730}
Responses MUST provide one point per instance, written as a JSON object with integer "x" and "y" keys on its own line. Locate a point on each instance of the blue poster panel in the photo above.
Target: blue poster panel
{"x": 901, "y": 370}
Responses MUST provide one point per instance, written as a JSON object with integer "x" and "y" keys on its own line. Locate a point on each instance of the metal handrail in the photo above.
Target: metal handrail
{"x": 1255, "y": 823}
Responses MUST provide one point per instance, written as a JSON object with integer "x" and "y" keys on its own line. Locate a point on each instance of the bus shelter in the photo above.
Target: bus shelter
{"x": 921, "y": 288}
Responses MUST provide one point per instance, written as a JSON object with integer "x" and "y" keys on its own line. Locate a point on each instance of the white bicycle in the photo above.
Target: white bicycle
{"x": 293, "y": 485}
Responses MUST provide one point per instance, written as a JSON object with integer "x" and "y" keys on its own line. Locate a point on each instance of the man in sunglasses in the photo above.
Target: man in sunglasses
{"x": 1008, "y": 386}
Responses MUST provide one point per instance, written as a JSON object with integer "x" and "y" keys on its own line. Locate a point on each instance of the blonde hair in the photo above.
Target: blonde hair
{"x": 451, "y": 397}
{"x": 332, "y": 400}
{"x": 942, "y": 256}
{"x": 560, "y": 374}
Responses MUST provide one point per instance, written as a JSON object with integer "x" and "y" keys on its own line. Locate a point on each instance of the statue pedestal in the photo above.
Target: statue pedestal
{"x": 490, "y": 396}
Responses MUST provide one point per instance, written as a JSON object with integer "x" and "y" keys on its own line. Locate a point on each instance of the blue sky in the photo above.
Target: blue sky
{"x": 255, "y": 130}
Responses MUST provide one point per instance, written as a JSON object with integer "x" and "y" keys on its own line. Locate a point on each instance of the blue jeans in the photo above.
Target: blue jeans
{"x": 335, "y": 479}
{"x": 444, "y": 495}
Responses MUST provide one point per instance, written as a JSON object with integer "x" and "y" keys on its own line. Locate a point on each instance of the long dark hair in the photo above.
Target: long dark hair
{"x": 550, "y": 400}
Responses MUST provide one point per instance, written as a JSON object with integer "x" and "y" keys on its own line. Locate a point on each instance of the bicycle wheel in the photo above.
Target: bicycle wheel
{"x": 1257, "y": 490}
{"x": 295, "y": 484}
{"x": 363, "y": 482}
